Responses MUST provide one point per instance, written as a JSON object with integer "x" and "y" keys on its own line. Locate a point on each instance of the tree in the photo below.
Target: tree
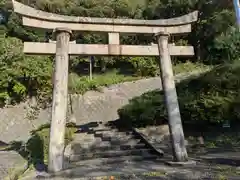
{"x": 215, "y": 18}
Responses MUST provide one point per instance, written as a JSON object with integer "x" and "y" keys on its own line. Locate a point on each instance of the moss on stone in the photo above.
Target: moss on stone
{"x": 37, "y": 146}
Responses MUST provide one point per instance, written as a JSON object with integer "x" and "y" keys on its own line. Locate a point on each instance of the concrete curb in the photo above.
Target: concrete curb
{"x": 145, "y": 140}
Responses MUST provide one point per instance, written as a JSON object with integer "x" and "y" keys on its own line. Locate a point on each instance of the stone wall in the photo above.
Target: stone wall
{"x": 16, "y": 122}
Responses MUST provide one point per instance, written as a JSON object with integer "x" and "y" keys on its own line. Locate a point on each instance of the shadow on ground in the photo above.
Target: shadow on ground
{"x": 35, "y": 150}
{"x": 140, "y": 169}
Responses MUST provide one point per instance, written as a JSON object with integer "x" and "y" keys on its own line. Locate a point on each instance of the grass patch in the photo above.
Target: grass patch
{"x": 155, "y": 174}
{"x": 226, "y": 170}
{"x": 189, "y": 67}
{"x": 223, "y": 140}
{"x": 217, "y": 139}
{"x": 80, "y": 85}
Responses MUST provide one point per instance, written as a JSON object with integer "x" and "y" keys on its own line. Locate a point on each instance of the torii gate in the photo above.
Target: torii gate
{"x": 62, "y": 48}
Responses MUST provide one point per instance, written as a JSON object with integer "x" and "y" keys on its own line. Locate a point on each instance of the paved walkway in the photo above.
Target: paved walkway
{"x": 11, "y": 163}
{"x": 144, "y": 171}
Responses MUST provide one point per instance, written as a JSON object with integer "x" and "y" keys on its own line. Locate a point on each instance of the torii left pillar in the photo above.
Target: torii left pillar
{"x": 59, "y": 104}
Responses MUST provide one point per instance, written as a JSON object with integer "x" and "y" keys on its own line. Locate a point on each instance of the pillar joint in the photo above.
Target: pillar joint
{"x": 60, "y": 30}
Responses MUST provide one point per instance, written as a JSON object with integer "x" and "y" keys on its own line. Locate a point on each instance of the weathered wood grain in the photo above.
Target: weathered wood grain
{"x": 108, "y": 49}
{"x": 171, "y": 99}
{"x": 59, "y": 103}
{"x": 44, "y": 24}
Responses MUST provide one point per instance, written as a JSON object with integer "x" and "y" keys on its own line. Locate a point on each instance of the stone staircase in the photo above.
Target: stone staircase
{"x": 101, "y": 150}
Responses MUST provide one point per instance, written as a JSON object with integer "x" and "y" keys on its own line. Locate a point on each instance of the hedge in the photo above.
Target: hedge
{"x": 211, "y": 98}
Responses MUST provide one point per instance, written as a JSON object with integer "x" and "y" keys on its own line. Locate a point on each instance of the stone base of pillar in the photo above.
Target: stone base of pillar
{"x": 189, "y": 163}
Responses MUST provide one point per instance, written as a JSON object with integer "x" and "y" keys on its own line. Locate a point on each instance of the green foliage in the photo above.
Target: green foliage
{"x": 22, "y": 75}
{"x": 15, "y": 28}
{"x": 211, "y": 98}
{"x": 226, "y": 46}
{"x": 145, "y": 110}
{"x": 224, "y": 140}
{"x": 82, "y": 84}
{"x": 37, "y": 147}
{"x": 189, "y": 66}
{"x": 215, "y": 17}
{"x": 144, "y": 66}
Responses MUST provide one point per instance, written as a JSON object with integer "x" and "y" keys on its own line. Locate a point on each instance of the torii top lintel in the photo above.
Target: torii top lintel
{"x": 46, "y": 20}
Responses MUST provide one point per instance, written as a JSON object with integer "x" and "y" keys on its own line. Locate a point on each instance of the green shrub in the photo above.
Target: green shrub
{"x": 22, "y": 75}
{"x": 144, "y": 110}
{"x": 144, "y": 66}
{"x": 189, "y": 66}
{"x": 210, "y": 98}
{"x": 37, "y": 147}
{"x": 227, "y": 46}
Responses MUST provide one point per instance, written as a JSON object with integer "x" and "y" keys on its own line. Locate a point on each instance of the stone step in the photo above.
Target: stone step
{"x": 85, "y": 138}
{"x": 106, "y": 147}
{"x": 91, "y": 140}
{"x": 97, "y": 142}
{"x": 113, "y": 160}
{"x": 86, "y": 143}
{"x": 110, "y": 154}
{"x": 122, "y": 139}
{"x": 112, "y": 133}
{"x": 104, "y": 130}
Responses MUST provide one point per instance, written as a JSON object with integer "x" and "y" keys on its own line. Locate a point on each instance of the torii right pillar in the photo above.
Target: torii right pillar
{"x": 171, "y": 100}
